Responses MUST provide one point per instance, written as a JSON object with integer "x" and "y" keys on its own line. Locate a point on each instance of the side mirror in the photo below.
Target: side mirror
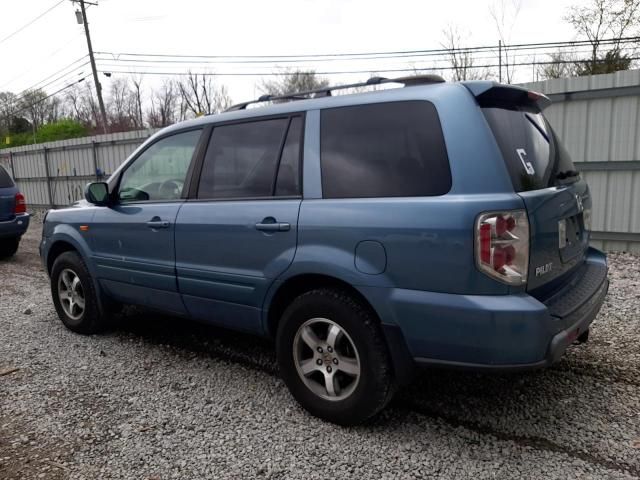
{"x": 97, "y": 193}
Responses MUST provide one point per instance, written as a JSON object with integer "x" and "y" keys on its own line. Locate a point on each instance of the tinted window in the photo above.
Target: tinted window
{"x": 160, "y": 171}
{"x": 531, "y": 150}
{"x": 5, "y": 179}
{"x": 289, "y": 170}
{"x": 383, "y": 150}
{"x": 241, "y": 159}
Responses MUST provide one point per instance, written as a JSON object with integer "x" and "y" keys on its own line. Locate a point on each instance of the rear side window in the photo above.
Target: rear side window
{"x": 5, "y": 179}
{"x": 534, "y": 156}
{"x": 242, "y": 159}
{"x": 391, "y": 149}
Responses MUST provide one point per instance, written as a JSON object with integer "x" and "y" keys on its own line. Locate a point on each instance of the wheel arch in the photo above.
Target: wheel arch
{"x": 65, "y": 238}
{"x": 298, "y": 284}
{"x": 402, "y": 361}
{"x": 57, "y": 249}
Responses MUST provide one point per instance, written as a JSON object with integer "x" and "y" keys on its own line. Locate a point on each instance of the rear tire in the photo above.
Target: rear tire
{"x": 333, "y": 357}
{"x": 9, "y": 247}
{"x": 74, "y": 295}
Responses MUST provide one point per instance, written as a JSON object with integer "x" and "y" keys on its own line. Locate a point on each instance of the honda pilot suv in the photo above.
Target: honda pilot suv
{"x": 434, "y": 224}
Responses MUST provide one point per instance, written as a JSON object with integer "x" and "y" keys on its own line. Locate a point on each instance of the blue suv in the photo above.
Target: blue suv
{"x": 437, "y": 224}
{"x": 14, "y": 219}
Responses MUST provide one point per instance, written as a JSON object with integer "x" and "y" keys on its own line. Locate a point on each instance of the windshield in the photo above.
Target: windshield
{"x": 533, "y": 154}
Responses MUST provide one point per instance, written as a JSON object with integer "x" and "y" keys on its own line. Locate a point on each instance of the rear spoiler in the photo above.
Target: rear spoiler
{"x": 492, "y": 94}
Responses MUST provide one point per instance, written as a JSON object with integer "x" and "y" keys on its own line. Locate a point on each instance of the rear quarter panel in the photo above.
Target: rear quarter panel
{"x": 428, "y": 241}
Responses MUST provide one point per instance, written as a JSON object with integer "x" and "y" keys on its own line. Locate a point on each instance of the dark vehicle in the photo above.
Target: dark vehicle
{"x": 14, "y": 219}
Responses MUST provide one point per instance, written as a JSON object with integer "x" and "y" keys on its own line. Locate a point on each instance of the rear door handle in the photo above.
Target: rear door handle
{"x": 270, "y": 225}
{"x": 158, "y": 224}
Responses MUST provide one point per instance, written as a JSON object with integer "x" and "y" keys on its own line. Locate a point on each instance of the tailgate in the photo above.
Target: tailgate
{"x": 557, "y": 201}
{"x": 559, "y": 237}
{"x": 7, "y": 203}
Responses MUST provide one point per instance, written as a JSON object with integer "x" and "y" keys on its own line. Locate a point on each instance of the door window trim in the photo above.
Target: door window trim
{"x": 195, "y": 181}
{"x": 188, "y": 178}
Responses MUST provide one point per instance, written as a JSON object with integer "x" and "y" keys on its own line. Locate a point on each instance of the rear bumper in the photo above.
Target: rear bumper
{"x": 508, "y": 332}
{"x": 15, "y": 227}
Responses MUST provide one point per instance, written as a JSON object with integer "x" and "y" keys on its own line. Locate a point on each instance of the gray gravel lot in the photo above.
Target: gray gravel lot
{"x": 160, "y": 398}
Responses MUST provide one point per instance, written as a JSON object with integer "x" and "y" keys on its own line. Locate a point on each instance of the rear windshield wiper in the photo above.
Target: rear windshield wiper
{"x": 567, "y": 174}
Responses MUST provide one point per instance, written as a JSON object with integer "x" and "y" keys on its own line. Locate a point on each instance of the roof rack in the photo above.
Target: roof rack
{"x": 326, "y": 91}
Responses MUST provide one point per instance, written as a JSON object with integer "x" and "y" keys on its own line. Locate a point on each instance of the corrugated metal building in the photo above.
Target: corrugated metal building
{"x": 55, "y": 173}
{"x": 597, "y": 117}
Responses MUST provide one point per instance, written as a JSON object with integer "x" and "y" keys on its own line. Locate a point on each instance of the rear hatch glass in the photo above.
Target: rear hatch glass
{"x": 7, "y": 195}
{"x": 543, "y": 173}
{"x": 532, "y": 153}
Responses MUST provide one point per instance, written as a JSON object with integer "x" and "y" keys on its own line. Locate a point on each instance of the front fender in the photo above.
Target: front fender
{"x": 68, "y": 234}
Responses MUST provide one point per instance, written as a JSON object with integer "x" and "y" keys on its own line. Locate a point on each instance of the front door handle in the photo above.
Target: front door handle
{"x": 269, "y": 224}
{"x": 157, "y": 223}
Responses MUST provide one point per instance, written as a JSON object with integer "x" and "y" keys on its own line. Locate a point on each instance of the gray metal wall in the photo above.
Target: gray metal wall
{"x": 598, "y": 119}
{"x": 54, "y": 174}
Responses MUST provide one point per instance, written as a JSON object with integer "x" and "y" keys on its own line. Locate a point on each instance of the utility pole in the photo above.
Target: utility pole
{"x": 500, "y": 61}
{"x": 103, "y": 112}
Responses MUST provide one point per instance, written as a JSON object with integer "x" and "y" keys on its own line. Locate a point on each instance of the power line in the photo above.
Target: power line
{"x": 57, "y": 82}
{"x": 344, "y": 72}
{"x": 155, "y": 64}
{"x": 26, "y": 107}
{"x": 385, "y": 54}
{"x": 47, "y": 56}
{"x": 38, "y": 84}
{"x": 31, "y": 22}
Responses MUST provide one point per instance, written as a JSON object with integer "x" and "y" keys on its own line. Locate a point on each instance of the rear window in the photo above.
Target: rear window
{"x": 391, "y": 149}
{"x": 5, "y": 179}
{"x": 531, "y": 150}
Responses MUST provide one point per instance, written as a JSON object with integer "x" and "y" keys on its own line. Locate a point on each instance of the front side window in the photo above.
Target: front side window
{"x": 159, "y": 173}
{"x": 242, "y": 160}
{"x": 393, "y": 149}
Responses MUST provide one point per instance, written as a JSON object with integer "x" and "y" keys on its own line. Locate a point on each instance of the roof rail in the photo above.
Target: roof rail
{"x": 326, "y": 91}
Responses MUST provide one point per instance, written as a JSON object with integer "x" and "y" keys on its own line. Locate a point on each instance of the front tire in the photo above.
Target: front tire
{"x": 74, "y": 295}
{"x": 9, "y": 247}
{"x": 333, "y": 357}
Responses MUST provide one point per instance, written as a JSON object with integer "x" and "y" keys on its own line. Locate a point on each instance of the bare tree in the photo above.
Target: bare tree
{"x": 293, "y": 81}
{"x": 137, "y": 103}
{"x": 462, "y": 61}
{"x": 38, "y": 107}
{"x": 560, "y": 65}
{"x": 505, "y": 15}
{"x": 602, "y": 20}
{"x": 164, "y": 102}
{"x": 8, "y": 104}
{"x": 83, "y": 105}
{"x": 200, "y": 96}
{"x": 117, "y": 104}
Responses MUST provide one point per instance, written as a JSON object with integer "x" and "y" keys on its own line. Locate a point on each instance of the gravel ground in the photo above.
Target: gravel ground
{"x": 160, "y": 398}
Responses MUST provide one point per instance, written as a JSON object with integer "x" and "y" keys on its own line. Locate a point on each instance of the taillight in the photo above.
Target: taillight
{"x": 21, "y": 204}
{"x": 502, "y": 245}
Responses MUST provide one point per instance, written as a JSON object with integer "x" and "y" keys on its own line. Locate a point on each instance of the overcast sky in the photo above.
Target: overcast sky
{"x": 250, "y": 27}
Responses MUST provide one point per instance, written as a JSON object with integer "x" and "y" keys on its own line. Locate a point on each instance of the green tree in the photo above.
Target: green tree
{"x": 603, "y": 20}
{"x": 61, "y": 130}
